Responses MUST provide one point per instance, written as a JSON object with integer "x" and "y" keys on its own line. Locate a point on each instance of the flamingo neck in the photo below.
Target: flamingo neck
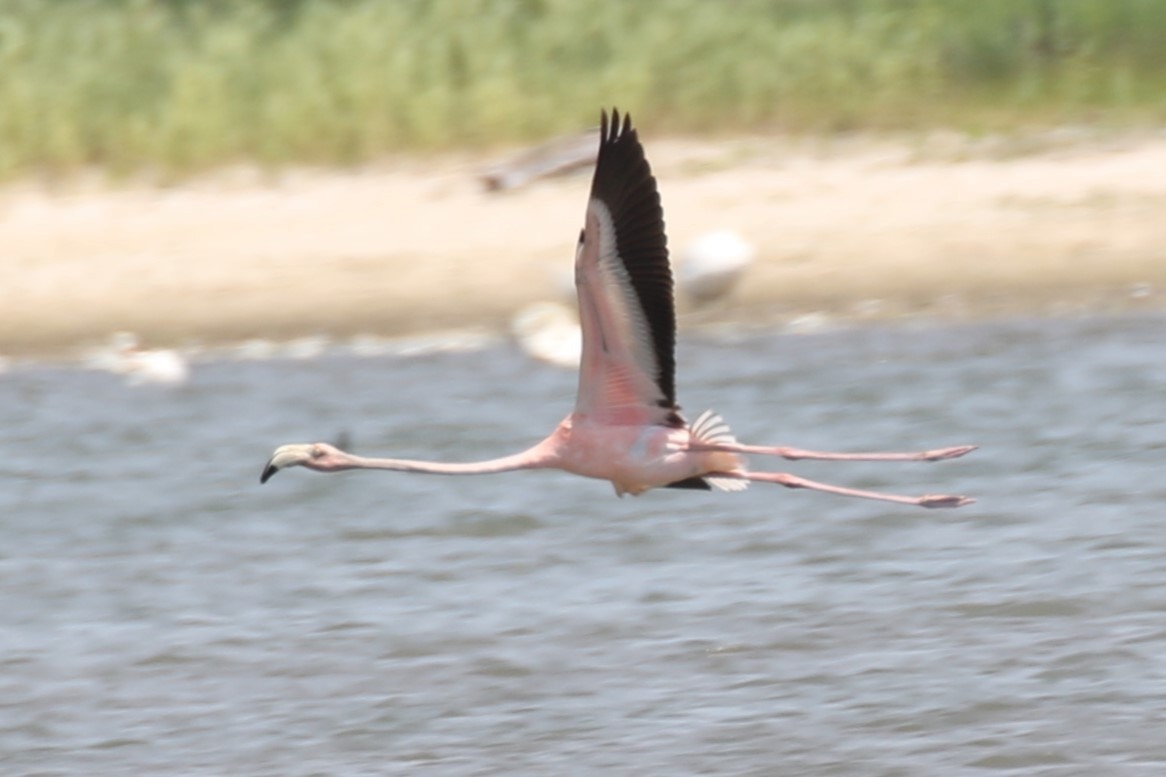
{"x": 540, "y": 456}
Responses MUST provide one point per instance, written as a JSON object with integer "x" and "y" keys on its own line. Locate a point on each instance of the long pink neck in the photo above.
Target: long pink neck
{"x": 538, "y": 457}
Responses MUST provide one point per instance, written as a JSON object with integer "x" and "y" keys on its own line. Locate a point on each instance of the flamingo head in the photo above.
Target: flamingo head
{"x": 319, "y": 456}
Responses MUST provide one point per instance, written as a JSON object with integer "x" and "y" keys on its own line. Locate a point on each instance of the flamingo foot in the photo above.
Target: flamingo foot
{"x": 944, "y": 500}
{"x": 947, "y": 453}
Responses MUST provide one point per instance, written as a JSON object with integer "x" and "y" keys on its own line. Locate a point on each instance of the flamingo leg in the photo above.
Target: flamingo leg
{"x": 794, "y": 481}
{"x": 795, "y": 454}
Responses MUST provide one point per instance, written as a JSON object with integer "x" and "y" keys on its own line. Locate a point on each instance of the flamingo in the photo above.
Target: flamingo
{"x": 626, "y": 426}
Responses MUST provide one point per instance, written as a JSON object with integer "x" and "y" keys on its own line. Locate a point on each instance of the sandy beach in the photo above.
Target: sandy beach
{"x": 848, "y": 228}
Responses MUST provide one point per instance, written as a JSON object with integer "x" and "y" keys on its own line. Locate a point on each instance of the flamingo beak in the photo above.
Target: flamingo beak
{"x": 287, "y": 456}
{"x": 268, "y": 470}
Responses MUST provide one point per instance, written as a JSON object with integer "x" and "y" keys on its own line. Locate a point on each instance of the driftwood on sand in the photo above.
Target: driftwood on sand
{"x": 555, "y": 157}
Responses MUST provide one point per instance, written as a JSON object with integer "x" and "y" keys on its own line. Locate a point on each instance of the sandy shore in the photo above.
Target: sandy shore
{"x": 849, "y": 228}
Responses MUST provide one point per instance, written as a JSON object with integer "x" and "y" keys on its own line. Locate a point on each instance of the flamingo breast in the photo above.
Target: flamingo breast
{"x": 634, "y": 457}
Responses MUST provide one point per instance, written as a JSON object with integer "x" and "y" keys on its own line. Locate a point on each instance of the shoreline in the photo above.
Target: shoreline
{"x": 853, "y": 230}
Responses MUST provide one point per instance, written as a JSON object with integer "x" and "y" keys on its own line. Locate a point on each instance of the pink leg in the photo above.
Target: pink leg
{"x": 797, "y": 453}
{"x": 793, "y": 481}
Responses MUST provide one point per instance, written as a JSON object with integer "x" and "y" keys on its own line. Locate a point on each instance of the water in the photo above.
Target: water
{"x": 162, "y": 613}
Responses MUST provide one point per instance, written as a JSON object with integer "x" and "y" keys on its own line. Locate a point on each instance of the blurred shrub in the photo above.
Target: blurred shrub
{"x": 184, "y": 84}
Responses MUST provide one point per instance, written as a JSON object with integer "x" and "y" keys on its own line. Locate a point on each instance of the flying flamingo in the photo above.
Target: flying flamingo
{"x": 626, "y": 426}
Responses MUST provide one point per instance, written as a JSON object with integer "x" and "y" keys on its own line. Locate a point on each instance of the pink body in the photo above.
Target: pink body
{"x": 634, "y": 458}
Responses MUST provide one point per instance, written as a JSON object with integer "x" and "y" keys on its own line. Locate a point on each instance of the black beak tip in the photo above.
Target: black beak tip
{"x": 269, "y": 470}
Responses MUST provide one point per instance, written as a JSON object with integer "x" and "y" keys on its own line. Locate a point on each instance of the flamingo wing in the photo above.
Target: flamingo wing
{"x": 624, "y": 284}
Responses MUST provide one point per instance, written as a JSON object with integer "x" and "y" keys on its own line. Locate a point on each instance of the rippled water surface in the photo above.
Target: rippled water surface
{"x": 161, "y": 613}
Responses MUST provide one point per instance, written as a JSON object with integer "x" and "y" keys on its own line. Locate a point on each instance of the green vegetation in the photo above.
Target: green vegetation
{"x": 181, "y": 85}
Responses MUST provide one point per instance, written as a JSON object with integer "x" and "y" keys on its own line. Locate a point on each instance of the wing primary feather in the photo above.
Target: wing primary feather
{"x": 624, "y": 183}
{"x": 694, "y": 483}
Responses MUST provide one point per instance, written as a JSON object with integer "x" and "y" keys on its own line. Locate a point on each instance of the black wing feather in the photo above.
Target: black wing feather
{"x": 694, "y": 483}
{"x": 624, "y": 183}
